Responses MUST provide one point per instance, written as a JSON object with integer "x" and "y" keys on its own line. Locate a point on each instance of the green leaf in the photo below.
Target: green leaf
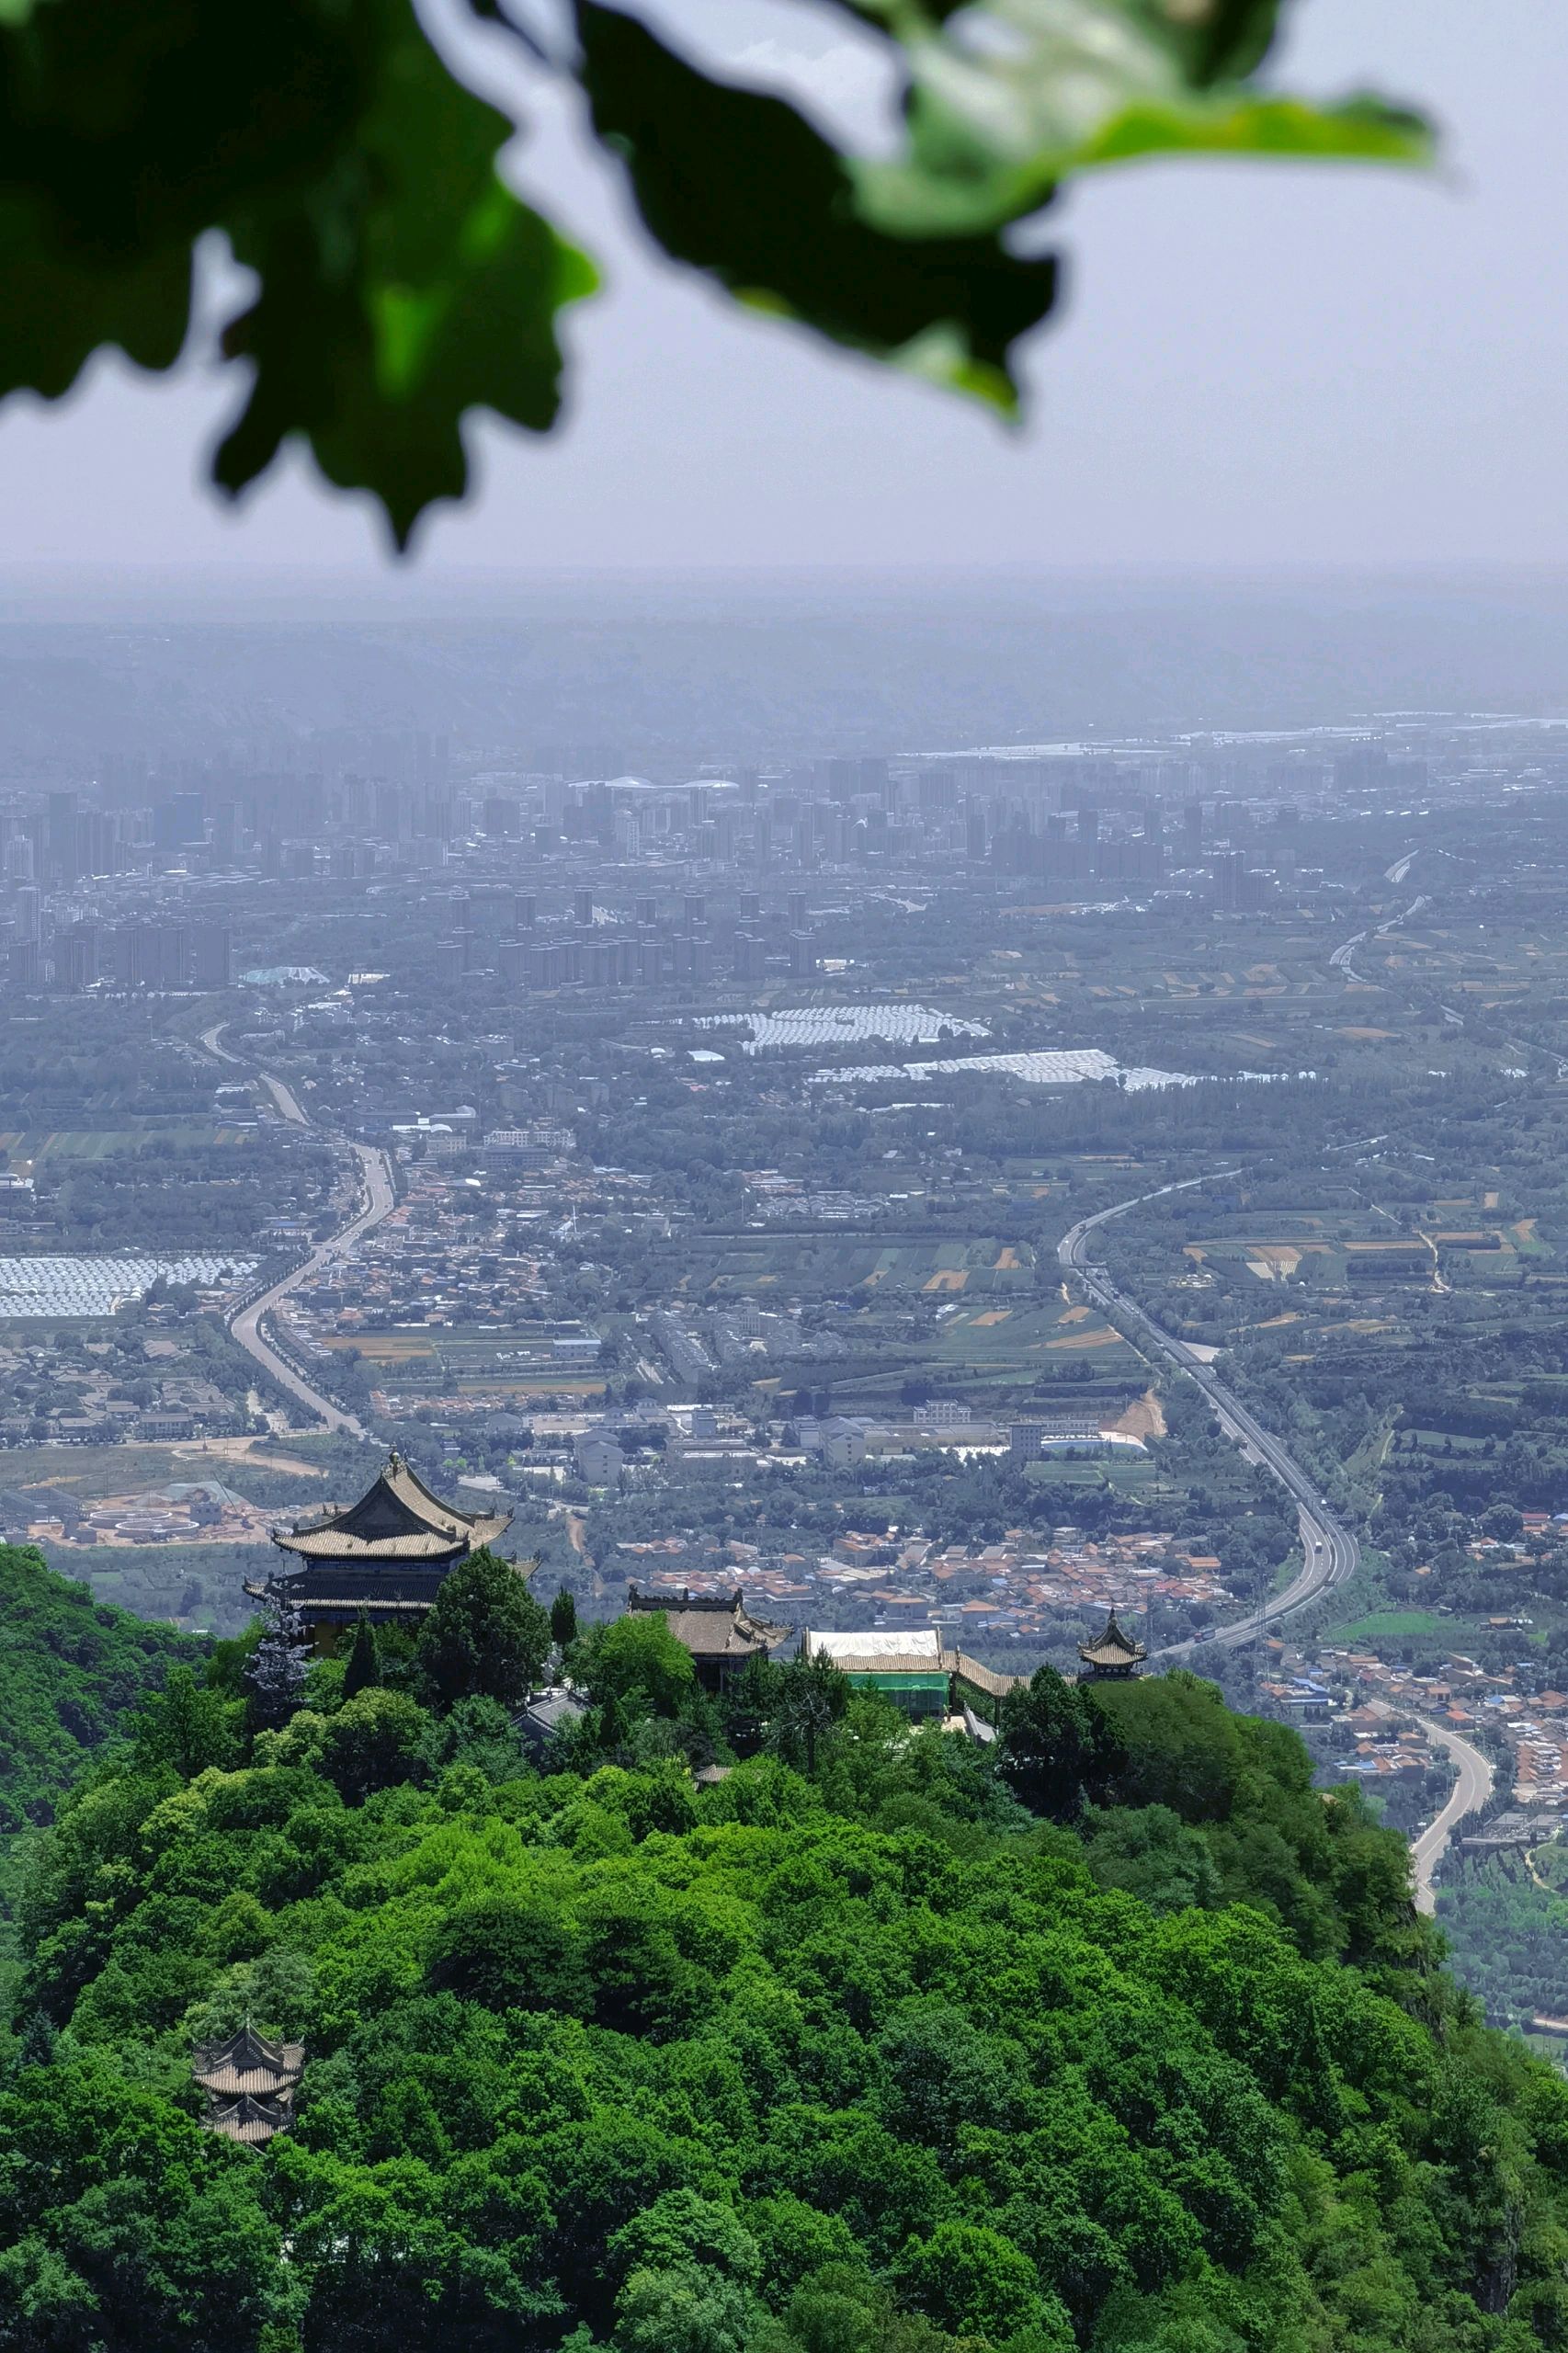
{"x": 401, "y": 284}
{"x": 123, "y": 130}
{"x": 739, "y": 185}
{"x": 414, "y": 287}
{"x": 138, "y": 128}
{"x": 1017, "y": 95}
{"x": 57, "y": 308}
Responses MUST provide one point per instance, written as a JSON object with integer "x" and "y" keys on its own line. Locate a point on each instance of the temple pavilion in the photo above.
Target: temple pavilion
{"x": 1115, "y": 1655}
{"x": 383, "y": 1557}
{"x": 250, "y": 2082}
{"x": 716, "y": 1628}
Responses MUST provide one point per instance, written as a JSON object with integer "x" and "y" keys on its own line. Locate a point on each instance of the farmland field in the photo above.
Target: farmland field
{"x": 832, "y": 1265}
{"x": 27, "y": 1148}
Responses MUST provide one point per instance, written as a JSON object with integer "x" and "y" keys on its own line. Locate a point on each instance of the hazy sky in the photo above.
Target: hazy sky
{"x": 1255, "y": 365}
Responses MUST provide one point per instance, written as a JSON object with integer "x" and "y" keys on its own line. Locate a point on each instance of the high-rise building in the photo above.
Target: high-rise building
{"x": 211, "y": 956}
{"x": 77, "y": 953}
{"x": 225, "y": 832}
{"x": 179, "y": 822}
{"x": 61, "y": 847}
{"x": 1229, "y": 870}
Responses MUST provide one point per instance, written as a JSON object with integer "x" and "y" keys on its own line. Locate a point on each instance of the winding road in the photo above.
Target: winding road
{"x": 1469, "y": 1792}
{"x": 377, "y": 1197}
{"x": 1340, "y": 961}
{"x": 1329, "y": 1552}
{"x": 288, "y": 1102}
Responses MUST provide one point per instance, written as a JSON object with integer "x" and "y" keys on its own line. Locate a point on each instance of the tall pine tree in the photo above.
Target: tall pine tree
{"x": 364, "y": 1665}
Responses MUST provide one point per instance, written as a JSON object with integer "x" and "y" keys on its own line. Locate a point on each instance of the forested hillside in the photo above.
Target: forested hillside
{"x": 70, "y": 1670}
{"x": 1118, "y": 2036}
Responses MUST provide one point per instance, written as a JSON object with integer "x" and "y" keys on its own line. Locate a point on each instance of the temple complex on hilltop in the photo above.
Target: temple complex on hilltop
{"x": 250, "y": 2083}
{"x": 1114, "y": 1656}
{"x": 383, "y": 1557}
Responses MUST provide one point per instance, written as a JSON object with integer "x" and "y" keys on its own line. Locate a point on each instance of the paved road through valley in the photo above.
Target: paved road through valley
{"x": 1329, "y": 1550}
{"x": 1469, "y": 1792}
{"x": 379, "y": 1199}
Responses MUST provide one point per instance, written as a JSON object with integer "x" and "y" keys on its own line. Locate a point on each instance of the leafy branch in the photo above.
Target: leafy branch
{"x": 399, "y": 283}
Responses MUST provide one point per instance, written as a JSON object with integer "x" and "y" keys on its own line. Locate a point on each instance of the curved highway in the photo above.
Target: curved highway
{"x": 1469, "y": 1792}
{"x": 1329, "y": 1552}
{"x": 379, "y": 1197}
{"x": 1340, "y": 960}
{"x": 220, "y": 1054}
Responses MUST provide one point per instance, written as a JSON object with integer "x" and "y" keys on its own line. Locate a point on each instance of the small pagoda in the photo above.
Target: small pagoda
{"x": 250, "y": 2083}
{"x": 1115, "y": 1657}
{"x": 383, "y": 1558}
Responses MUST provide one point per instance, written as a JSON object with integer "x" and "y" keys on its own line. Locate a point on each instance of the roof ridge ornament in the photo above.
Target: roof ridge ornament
{"x": 1116, "y": 1653}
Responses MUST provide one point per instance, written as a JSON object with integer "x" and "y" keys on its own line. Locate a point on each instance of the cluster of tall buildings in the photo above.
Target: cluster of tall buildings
{"x": 686, "y": 865}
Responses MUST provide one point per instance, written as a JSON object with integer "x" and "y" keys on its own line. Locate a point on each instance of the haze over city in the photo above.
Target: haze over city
{"x": 784, "y": 1241}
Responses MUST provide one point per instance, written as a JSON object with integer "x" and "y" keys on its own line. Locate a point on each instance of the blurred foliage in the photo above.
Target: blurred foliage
{"x": 399, "y": 283}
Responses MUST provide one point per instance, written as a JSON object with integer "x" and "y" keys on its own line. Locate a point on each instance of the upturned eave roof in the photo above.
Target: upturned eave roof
{"x": 397, "y": 1518}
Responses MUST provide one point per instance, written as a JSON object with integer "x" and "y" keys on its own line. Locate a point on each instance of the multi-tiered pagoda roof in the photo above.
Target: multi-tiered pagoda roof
{"x": 250, "y": 2083}
{"x": 383, "y": 1557}
{"x": 1116, "y": 1653}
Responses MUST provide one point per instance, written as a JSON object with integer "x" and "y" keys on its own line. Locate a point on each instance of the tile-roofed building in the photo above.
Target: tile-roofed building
{"x": 911, "y": 1665}
{"x": 249, "y": 2119}
{"x": 979, "y": 1678}
{"x": 907, "y": 1665}
{"x": 717, "y": 1628}
{"x": 250, "y": 2081}
{"x": 1115, "y": 1654}
{"x": 384, "y": 1556}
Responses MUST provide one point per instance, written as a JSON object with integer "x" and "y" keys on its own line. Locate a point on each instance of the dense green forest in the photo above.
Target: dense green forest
{"x": 1116, "y": 2036}
{"x": 70, "y": 1669}
{"x": 1508, "y": 1932}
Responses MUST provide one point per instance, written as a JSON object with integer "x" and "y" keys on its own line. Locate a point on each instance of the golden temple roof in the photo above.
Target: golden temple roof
{"x": 397, "y": 1518}
{"x": 1114, "y": 1648}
